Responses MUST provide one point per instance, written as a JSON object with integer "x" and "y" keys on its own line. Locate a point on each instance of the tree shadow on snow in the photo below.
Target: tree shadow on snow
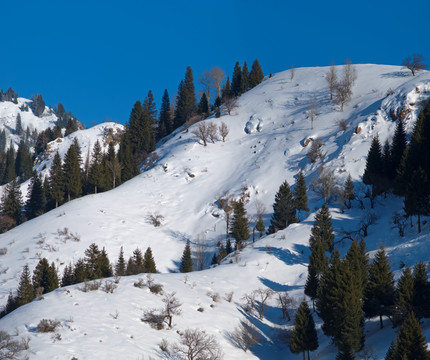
{"x": 396, "y": 74}
{"x": 273, "y": 285}
{"x": 285, "y": 255}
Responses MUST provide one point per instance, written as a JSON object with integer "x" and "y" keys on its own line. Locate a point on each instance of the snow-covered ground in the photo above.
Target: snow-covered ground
{"x": 265, "y": 146}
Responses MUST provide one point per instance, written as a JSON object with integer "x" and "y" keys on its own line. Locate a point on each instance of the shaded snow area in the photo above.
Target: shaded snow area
{"x": 265, "y": 146}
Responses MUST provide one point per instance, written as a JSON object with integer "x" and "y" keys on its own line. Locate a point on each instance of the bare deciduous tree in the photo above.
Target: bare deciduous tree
{"x": 257, "y": 299}
{"x": 211, "y": 81}
{"x": 230, "y": 104}
{"x": 312, "y": 112}
{"x": 172, "y": 306}
{"x": 349, "y": 73}
{"x": 285, "y": 302}
{"x": 9, "y": 348}
{"x": 202, "y": 132}
{"x": 212, "y": 131}
{"x": 197, "y": 345}
{"x": 315, "y": 152}
{"x": 324, "y": 185}
{"x": 223, "y": 131}
{"x": 292, "y": 71}
{"x": 115, "y": 167}
{"x": 226, "y": 203}
{"x": 218, "y": 76}
{"x": 200, "y": 254}
{"x": 331, "y": 77}
{"x": 245, "y": 335}
{"x": 343, "y": 87}
{"x": 414, "y": 63}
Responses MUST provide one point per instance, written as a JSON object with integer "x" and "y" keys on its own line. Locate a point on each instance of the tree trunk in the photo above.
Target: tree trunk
{"x": 419, "y": 223}
{"x": 309, "y": 357}
{"x": 381, "y": 324}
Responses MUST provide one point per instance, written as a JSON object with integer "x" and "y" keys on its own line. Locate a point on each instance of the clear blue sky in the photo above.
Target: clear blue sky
{"x": 99, "y": 57}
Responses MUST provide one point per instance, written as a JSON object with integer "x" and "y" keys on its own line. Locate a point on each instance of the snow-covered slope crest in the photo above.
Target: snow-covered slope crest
{"x": 184, "y": 187}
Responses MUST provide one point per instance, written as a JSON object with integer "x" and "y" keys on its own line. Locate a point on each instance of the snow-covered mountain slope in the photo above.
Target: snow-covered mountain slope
{"x": 184, "y": 186}
{"x": 9, "y": 112}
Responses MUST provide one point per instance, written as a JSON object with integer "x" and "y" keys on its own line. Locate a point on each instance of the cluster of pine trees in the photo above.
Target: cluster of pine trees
{"x": 346, "y": 291}
{"x": 403, "y": 167}
{"x": 95, "y": 265}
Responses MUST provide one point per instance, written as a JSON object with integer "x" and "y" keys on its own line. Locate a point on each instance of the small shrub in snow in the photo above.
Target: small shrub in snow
{"x": 47, "y": 325}
{"x": 91, "y": 285}
{"x": 3, "y": 251}
{"x": 214, "y": 296}
{"x": 343, "y": 124}
{"x": 156, "y": 289}
{"x": 9, "y": 348}
{"x": 200, "y": 309}
{"x": 110, "y": 287}
{"x": 315, "y": 152}
{"x": 154, "y": 318}
{"x": 164, "y": 345}
{"x": 139, "y": 283}
{"x": 155, "y": 219}
{"x": 229, "y": 296}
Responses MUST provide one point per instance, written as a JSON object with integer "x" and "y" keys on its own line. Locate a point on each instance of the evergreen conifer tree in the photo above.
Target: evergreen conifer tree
{"x": 256, "y": 75}
{"x": 56, "y": 180}
{"x": 421, "y": 291}
{"x": 348, "y": 193}
{"x": 11, "y": 204}
{"x": 236, "y": 80}
{"x": 227, "y": 92}
{"x": 165, "y": 119}
{"x": 323, "y": 228}
{"x": 23, "y": 162}
{"x": 72, "y": 174}
{"x": 300, "y": 196}
{"x": 398, "y": 147}
{"x": 239, "y": 228}
{"x": 186, "y": 260}
{"x": 80, "y": 272}
{"x": 120, "y": 266}
{"x": 404, "y": 296}
{"x": 312, "y": 283}
{"x": 9, "y": 173}
{"x": 45, "y": 276}
{"x": 379, "y": 294}
{"x": 244, "y": 79}
{"x": 135, "y": 263}
{"x": 304, "y": 337}
{"x": 149, "y": 262}
{"x": 417, "y": 197}
{"x": 67, "y": 278}
{"x": 284, "y": 211}
{"x": 259, "y": 226}
{"x": 358, "y": 262}
{"x": 25, "y": 292}
{"x": 36, "y": 200}
{"x": 96, "y": 175}
{"x": 410, "y": 341}
{"x": 92, "y": 256}
{"x": 203, "y": 107}
{"x": 373, "y": 173}
{"x": 186, "y": 99}
{"x": 18, "y": 128}
{"x": 104, "y": 265}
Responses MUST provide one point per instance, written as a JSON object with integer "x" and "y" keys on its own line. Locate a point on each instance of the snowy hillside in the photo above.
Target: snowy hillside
{"x": 269, "y": 131}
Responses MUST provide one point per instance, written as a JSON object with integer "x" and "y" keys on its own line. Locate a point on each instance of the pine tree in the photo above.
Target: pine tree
{"x": 36, "y": 199}
{"x": 23, "y": 162}
{"x": 203, "y": 107}
{"x": 104, "y": 265}
{"x": 417, "y": 197}
{"x": 421, "y": 301}
{"x": 379, "y": 294}
{"x": 348, "y": 192}
{"x": 312, "y": 283}
{"x": 92, "y": 256}
{"x": 300, "y": 197}
{"x": 67, "y": 278}
{"x": 18, "y": 128}
{"x": 11, "y": 204}
{"x": 227, "y": 92}
{"x": 80, "y": 272}
{"x": 150, "y": 124}
{"x": 128, "y": 164}
{"x": 410, "y": 341}
{"x": 239, "y": 228}
{"x": 236, "y": 80}
{"x": 56, "y": 180}
{"x": 45, "y": 276}
{"x": 323, "y": 228}
{"x": 256, "y": 75}
{"x": 186, "y": 99}
{"x": 373, "y": 173}
{"x": 9, "y": 173}
{"x": 358, "y": 262}
{"x": 398, "y": 147}
{"x": 304, "y": 337}
{"x": 135, "y": 263}
{"x": 95, "y": 173}
{"x": 149, "y": 262}
{"x": 25, "y": 288}
{"x": 72, "y": 174}
{"x": 186, "y": 261}
{"x": 165, "y": 120}
{"x": 259, "y": 226}
{"x": 120, "y": 266}
{"x": 284, "y": 212}
{"x": 404, "y": 296}
{"x": 244, "y": 79}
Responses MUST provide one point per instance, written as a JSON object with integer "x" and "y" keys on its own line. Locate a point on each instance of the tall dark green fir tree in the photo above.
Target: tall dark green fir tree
{"x": 284, "y": 211}
{"x": 256, "y": 75}
{"x": 239, "y": 227}
{"x": 421, "y": 301}
{"x": 186, "y": 260}
{"x": 186, "y": 99}
{"x": 149, "y": 262}
{"x": 373, "y": 173}
{"x": 404, "y": 299}
{"x": 25, "y": 292}
{"x": 236, "y": 80}
{"x": 120, "y": 266}
{"x": 300, "y": 195}
{"x": 72, "y": 175}
{"x": 11, "y": 204}
{"x": 323, "y": 228}
{"x": 304, "y": 337}
{"x": 165, "y": 118}
{"x": 244, "y": 79}
{"x": 45, "y": 276}
{"x": 36, "y": 199}
{"x": 56, "y": 181}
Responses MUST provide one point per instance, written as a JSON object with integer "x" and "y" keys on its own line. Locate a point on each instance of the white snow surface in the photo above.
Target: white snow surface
{"x": 183, "y": 186}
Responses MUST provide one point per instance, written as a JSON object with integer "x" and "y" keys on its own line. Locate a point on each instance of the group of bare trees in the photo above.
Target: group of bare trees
{"x": 206, "y": 131}
{"x": 341, "y": 89}
{"x": 211, "y": 81}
